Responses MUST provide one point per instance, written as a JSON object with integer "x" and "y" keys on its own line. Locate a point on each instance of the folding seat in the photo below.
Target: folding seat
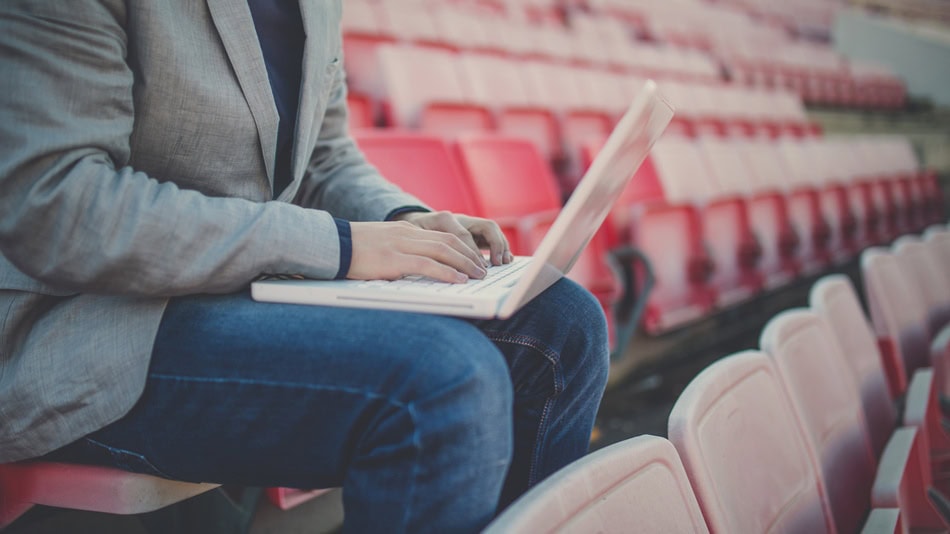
{"x": 846, "y": 239}
{"x": 464, "y": 29}
{"x": 745, "y": 452}
{"x": 81, "y": 487}
{"x": 557, "y": 87}
{"x": 733, "y": 246}
{"x": 513, "y": 185}
{"x": 898, "y": 315}
{"x": 768, "y": 213}
{"x": 829, "y": 407}
{"x": 923, "y": 268}
{"x": 359, "y": 111}
{"x": 424, "y": 91}
{"x": 876, "y": 190}
{"x": 495, "y": 82}
{"x": 422, "y": 165}
{"x": 412, "y": 21}
{"x": 363, "y": 32}
{"x": 835, "y": 300}
{"x": 804, "y": 205}
{"x": 636, "y": 484}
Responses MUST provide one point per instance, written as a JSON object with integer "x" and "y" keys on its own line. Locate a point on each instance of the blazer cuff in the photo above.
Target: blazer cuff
{"x": 405, "y": 209}
{"x": 346, "y": 247}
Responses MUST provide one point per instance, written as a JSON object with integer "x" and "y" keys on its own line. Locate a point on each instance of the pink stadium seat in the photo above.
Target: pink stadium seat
{"x": 734, "y": 247}
{"x": 362, "y": 34}
{"x": 804, "y": 208}
{"x": 496, "y": 82}
{"x": 80, "y": 487}
{"x": 635, "y": 484}
{"x": 829, "y": 406}
{"x": 928, "y": 275}
{"x": 898, "y": 315}
{"x": 768, "y": 213}
{"x": 835, "y": 300}
{"x": 831, "y": 182}
{"x": 745, "y": 452}
{"x": 360, "y": 109}
{"x": 422, "y": 165}
{"x": 514, "y": 186}
{"x": 655, "y": 215}
{"x": 423, "y": 90}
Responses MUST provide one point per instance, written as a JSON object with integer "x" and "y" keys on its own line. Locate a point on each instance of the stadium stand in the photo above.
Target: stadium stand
{"x": 495, "y": 108}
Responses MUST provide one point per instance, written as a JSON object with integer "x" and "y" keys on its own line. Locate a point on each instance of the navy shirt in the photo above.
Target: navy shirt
{"x": 280, "y": 32}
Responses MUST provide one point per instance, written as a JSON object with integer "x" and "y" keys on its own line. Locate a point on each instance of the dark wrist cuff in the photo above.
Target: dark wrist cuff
{"x": 346, "y": 247}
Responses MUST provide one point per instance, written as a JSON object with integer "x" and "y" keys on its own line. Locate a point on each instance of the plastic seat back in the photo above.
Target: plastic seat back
{"x": 898, "y": 315}
{"x": 827, "y": 401}
{"x": 424, "y": 90}
{"x": 745, "y": 452}
{"x": 421, "y": 165}
{"x": 928, "y": 275}
{"x": 835, "y": 300}
{"x": 638, "y": 483}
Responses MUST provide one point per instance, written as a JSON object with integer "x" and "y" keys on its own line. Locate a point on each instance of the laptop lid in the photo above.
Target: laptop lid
{"x": 624, "y": 152}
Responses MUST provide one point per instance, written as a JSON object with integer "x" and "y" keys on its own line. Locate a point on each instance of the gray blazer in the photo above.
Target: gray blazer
{"x": 137, "y": 143}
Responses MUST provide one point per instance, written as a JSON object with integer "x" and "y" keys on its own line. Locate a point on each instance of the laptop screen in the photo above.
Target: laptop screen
{"x": 624, "y": 152}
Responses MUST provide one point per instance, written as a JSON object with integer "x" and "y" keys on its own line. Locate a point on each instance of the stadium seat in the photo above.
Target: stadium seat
{"x": 829, "y": 406}
{"x": 495, "y": 82}
{"x": 928, "y": 275}
{"x": 768, "y": 213}
{"x": 654, "y": 213}
{"x": 635, "y": 484}
{"x": 835, "y": 300}
{"x": 82, "y": 487}
{"x": 734, "y": 246}
{"x": 903, "y": 482}
{"x": 804, "y": 207}
{"x": 898, "y": 316}
{"x": 513, "y": 185}
{"x": 423, "y": 90}
{"x": 421, "y": 164}
{"x": 362, "y": 34}
{"x": 745, "y": 452}
{"x": 922, "y": 411}
{"x": 360, "y": 111}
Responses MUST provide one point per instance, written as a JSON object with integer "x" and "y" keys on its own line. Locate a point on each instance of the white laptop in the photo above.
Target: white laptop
{"x": 507, "y": 287}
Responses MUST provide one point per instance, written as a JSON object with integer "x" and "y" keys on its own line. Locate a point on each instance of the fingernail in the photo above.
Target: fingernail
{"x": 481, "y": 272}
{"x": 498, "y": 259}
{"x": 508, "y": 257}
{"x": 461, "y": 278}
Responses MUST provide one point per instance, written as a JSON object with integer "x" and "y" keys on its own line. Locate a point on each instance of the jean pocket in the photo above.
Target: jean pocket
{"x": 106, "y": 455}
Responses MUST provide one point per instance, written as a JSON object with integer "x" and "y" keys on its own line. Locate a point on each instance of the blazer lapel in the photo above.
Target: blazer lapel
{"x": 236, "y": 29}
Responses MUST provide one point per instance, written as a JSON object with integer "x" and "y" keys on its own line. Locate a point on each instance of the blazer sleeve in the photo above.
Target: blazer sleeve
{"x": 74, "y": 215}
{"x": 339, "y": 178}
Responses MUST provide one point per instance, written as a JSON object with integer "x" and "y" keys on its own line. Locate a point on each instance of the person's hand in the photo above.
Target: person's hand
{"x": 429, "y": 246}
{"x": 475, "y": 232}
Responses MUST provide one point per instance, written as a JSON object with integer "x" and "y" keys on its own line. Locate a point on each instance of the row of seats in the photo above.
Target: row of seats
{"x": 723, "y": 219}
{"x": 732, "y": 44}
{"x": 804, "y": 435}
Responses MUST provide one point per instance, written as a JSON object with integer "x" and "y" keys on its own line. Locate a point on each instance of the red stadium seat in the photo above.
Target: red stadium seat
{"x": 804, "y": 208}
{"x": 360, "y": 109}
{"x": 422, "y": 165}
{"x": 81, "y": 487}
{"x": 722, "y": 424}
{"x": 363, "y": 32}
{"x": 638, "y": 482}
{"x": 903, "y": 481}
{"x": 513, "y": 185}
{"x": 922, "y": 411}
{"x": 928, "y": 275}
{"x": 834, "y": 299}
{"x": 829, "y": 406}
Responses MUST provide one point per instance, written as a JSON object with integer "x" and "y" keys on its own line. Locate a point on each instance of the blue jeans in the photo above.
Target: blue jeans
{"x": 429, "y": 423}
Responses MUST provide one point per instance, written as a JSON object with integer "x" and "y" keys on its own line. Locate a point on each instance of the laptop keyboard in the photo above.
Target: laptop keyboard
{"x": 500, "y": 276}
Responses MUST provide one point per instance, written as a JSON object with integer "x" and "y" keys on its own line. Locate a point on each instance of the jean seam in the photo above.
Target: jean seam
{"x": 555, "y": 361}
{"x": 118, "y": 451}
